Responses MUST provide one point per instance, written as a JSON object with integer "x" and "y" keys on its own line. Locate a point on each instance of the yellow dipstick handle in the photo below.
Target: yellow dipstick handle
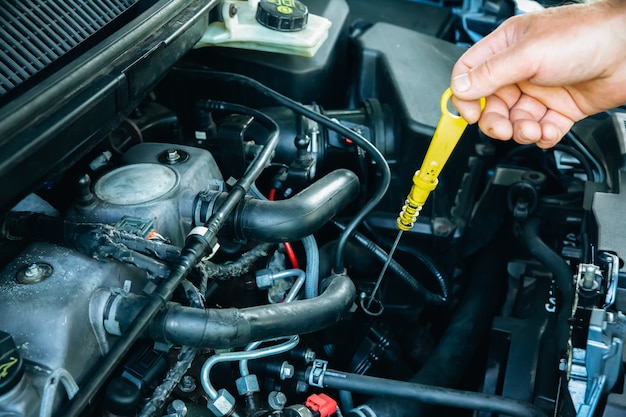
{"x": 447, "y": 135}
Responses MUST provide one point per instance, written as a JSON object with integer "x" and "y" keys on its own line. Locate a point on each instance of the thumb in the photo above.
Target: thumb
{"x": 471, "y": 82}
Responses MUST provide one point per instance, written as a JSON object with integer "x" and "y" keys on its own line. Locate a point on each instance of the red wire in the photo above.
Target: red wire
{"x": 291, "y": 255}
{"x": 272, "y": 194}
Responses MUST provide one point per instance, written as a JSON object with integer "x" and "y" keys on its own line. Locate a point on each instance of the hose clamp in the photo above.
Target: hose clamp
{"x": 316, "y": 376}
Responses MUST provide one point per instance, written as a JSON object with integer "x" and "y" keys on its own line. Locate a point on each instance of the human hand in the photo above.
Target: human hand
{"x": 541, "y": 72}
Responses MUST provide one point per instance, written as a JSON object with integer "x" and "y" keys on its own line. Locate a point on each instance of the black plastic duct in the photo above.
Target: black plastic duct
{"x": 232, "y": 327}
{"x": 291, "y": 219}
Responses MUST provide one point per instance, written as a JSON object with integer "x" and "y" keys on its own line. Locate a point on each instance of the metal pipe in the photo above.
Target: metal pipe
{"x": 237, "y": 356}
{"x": 291, "y": 295}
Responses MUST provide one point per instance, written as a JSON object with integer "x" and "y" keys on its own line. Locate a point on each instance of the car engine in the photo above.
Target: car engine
{"x": 214, "y": 246}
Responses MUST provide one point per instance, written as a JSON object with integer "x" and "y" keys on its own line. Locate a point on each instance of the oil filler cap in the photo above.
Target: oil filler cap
{"x": 282, "y": 15}
{"x": 11, "y": 364}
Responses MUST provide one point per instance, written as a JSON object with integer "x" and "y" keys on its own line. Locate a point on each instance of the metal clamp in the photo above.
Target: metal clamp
{"x": 316, "y": 376}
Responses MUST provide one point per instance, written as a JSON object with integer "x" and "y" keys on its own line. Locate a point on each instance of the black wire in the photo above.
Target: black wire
{"x": 401, "y": 272}
{"x": 377, "y": 157}
{"x": 578, "y": 144}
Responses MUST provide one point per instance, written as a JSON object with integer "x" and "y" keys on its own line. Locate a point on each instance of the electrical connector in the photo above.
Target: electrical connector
{"x": 322, "y": 404}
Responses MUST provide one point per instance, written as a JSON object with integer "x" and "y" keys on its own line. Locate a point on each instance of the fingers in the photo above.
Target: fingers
{"x": 525, "y": 120}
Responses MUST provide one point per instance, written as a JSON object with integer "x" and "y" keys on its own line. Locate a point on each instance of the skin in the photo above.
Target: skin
{"x": 541, "y": 72}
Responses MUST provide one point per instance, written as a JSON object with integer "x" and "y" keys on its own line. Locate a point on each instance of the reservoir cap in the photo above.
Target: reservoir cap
{"x": 282, "y": 15}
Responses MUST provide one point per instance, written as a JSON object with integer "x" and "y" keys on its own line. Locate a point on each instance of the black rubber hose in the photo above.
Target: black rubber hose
{"x": 232, "y": 327}
{"x": 400, "y": 272}
{"x": 560, "y": 270}
{"x": 428, "y": 394}
{"x": 297, "y": 217}
{"x": 377, "y": 157}
{"x": 465, "y": 333}
{"x": 260, "y": 162}
{"x": 195, "y": 248}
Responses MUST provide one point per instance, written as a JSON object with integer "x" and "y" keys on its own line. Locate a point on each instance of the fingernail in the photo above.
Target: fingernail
{"x": 461, "y": 83}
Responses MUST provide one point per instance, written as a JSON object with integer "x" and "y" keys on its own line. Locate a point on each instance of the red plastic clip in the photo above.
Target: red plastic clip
{"x": 322, "y": 403}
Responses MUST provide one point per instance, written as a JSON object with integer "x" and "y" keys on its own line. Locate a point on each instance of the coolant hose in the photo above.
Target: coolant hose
{"x": 293, "y": 218}
{"x": 560, "y": 270}
{"x": 232, "y": 327}
{"x": 312, "y": 253}
{"x": 364, "y": 384}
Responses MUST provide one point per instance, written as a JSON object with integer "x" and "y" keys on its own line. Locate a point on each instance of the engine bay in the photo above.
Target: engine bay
{"x": 217, "y": 252}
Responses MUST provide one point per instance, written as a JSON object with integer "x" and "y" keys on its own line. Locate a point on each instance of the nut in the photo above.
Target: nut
{"x": 222, "y": 405}
{"x": 264, "y": 279}
{"x": 247, "y": 384}
{"x": 187, "y": 384}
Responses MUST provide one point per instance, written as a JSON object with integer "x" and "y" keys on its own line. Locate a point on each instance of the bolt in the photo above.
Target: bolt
{"x": 177, "y": 408}
{"x": 277, "y": 400}
{"x": 232, "y": 10}
{"x": 301, "y": 387}
{"x": 309, "y": 356}
{"x": 172, "y": 155}
{"x": 33, "y": 270}
{"x": 187, "y": 384}
{"x": 286, "y": 371}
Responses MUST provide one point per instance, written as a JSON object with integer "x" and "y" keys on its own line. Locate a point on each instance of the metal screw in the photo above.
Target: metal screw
{"x": 301, "y": 387}
{"x": 232, "y": 10}
{"x": 172, "y": 155}
{"x": 286, "y": 371}
{"x": 187, "y": 384}
{"x": 277, "y": 400}
{"x": 309, "y": 355}
{"x": 32, "y": 270}
{"x": 177, "y": 408}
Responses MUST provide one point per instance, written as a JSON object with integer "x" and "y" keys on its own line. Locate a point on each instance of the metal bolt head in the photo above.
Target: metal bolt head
{"x": 301, "y": 387}
{"x": 32, "y": 270}
{"x": 309, "y": 355}
{"x": 178, "y": 408}
{"x": 173, "y": 155}
{"x": 277, "y": 400}
{"x": 222, "y": 405}
{"x": 34, "y": 273}
{"x": 286, "y": 370}
{"x": 187, "y": 384}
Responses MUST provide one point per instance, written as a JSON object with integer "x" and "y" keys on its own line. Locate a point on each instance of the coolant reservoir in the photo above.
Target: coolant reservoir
{"x": 281, "y": 26}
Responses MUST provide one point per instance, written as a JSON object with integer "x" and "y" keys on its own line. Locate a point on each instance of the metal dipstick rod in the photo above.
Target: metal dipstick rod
{"x": 447, "y": 134}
